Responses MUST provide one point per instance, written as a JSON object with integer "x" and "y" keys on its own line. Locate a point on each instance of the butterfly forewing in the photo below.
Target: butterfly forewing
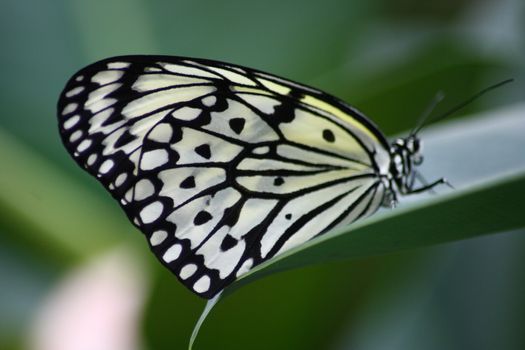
{"x": 220, "y": 166}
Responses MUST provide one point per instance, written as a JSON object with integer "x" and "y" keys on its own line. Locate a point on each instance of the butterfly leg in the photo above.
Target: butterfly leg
{"x": 412, "y": 179}
{"x": 390, "y": 198}
{"x": 430, "y": 186}
{"x": 421, "y": 179}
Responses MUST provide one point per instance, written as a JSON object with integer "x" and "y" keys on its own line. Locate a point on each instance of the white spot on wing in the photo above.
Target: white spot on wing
{"x": 128, "y": 195}
{"x": 120, "y": 179}
{"x": 202, "y": 285}
{"x": 68, "y": 124}
{"x": 261, "y": 150}
{"x": 143, "y": 189}
{"x": 151, "y": 212}
{"x": 161, "y": 133}
{"x": 209, "y": 101}
{"x": 154, "y": 159}
{"x": 84, "y": 145}
{"x": 172, "y": 253}
{"x": 106, "y": 76}
{"x": 91, "y": 159}
{"x": 75, "y": 136}
{"x": 186, "y": 113}
{"x": 69, "y": 108}
{"x": 118, "y": 65}
{"x": 106, "y": 166}
{"x": 158, "y": 237}
{"x": 74, "y": 91}
{"x": 187, "y": 271}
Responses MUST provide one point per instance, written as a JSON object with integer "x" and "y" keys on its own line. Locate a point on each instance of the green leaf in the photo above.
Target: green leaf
{"x": 209, "y": 306}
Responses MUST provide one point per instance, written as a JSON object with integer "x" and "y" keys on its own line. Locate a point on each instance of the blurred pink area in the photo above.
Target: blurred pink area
{"x": 97, "y": 306}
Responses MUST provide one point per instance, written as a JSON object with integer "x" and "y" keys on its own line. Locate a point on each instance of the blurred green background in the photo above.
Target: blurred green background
{"x": 387, "y": 57}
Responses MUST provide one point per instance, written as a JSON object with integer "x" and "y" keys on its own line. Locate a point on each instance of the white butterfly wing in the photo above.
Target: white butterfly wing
{"x": 221, "y": 167}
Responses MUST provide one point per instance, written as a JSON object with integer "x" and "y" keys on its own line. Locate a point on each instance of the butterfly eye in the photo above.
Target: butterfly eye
{"x": 416, "y": 145}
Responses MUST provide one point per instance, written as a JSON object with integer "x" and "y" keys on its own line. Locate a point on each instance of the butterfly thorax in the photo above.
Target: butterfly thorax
{"x": 405, "y": 155}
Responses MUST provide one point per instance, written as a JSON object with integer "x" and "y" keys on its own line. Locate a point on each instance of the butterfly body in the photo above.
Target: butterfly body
{"x": 223, "y": 167}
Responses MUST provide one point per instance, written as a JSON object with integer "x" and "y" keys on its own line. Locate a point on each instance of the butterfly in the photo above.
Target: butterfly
{"x": 223, "y": 167}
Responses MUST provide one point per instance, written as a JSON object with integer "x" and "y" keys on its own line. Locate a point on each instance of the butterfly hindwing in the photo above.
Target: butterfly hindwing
{"x": 221, "y": 167}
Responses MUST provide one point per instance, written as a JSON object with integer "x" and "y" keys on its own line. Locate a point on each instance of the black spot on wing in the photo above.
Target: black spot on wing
{"x": 202, "y": 217}
{"x": 228, "y": 242}
{"x": 328, "y": 135}
{"x": 188, "y": 182}
{"x": 237, "y": 124}
{"x": 204, "y": 151}
{"x": 278, "y": 181}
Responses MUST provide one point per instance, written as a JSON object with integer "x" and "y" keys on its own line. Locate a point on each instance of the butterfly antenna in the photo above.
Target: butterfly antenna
{"x": 461, "y": 105}
{"x": 438, "y": 97}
